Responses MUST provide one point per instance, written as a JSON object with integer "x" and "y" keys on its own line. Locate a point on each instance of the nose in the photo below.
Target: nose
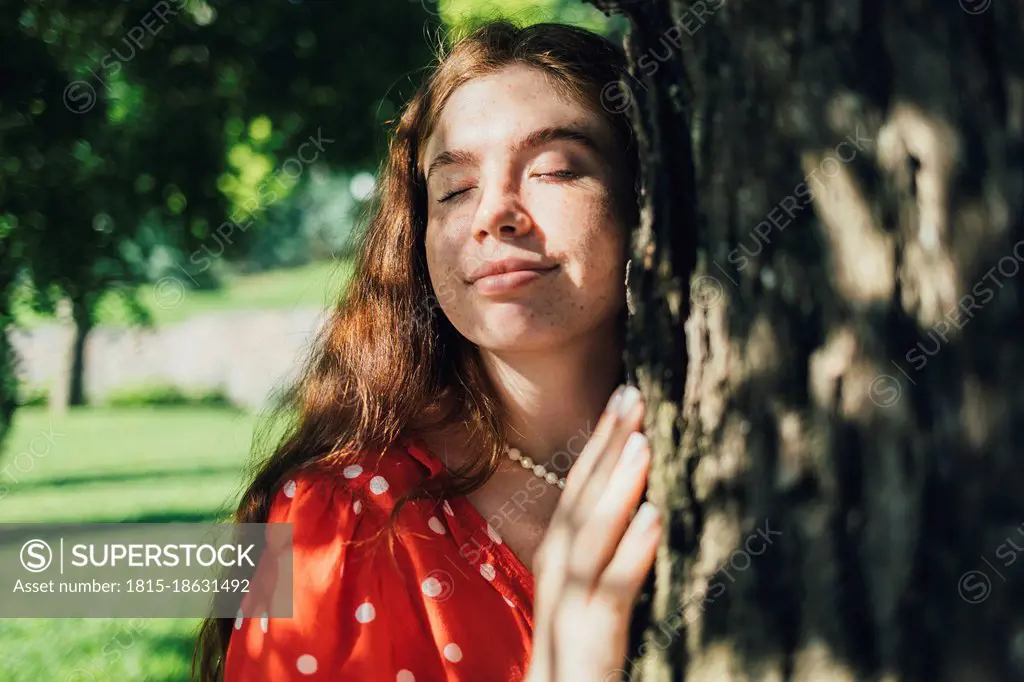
{"x": 501, "y": 214}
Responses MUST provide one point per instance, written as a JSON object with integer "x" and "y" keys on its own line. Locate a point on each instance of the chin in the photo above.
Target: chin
{"x": 520, "y": 332}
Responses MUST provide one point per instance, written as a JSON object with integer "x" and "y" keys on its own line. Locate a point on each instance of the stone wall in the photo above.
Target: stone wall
{"x": 245, "y": 354}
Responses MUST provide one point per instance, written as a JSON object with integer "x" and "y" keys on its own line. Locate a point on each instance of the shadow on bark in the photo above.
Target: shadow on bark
{"x": 833, "y": 225}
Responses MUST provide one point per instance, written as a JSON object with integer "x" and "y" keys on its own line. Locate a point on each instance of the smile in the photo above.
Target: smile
{"x": 506, "y": 282}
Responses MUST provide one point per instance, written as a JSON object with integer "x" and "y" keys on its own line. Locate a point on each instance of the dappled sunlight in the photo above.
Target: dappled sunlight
{"x": 709, "y": 348}
{"x": 762, "y": 347}
{"x": 981, "y": 414}
{"x": 815, "y": 662}
{"x": 913, "y": 137}
{"x": 861, "y": 254}
{"x": 843, "y": 359}
{"x": 720, "y": 538}
{"x": 931, "y": 284}
{"x": 731, "y": 459}
{"x": 849, "y": 110}
{"x": 799, "y": 446}
{"x": 719, "y": 660}
{"x": 210, "y": 209}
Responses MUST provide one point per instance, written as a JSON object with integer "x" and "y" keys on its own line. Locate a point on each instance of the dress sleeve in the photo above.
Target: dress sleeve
{"x": 334, "y": 589}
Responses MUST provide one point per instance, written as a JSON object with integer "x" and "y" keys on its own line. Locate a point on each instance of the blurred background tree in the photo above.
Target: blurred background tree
{"x": 464, "y": 14}
{"x": 131, "y": 136}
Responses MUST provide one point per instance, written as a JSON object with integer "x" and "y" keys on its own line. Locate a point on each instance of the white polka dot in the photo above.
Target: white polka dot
{"x": 378, "y": 485}
{"x": 264, "y": 622}
{"x": 289, "y": 489}
{"x": 448, "y": 509}
{"x": 487, "y": 571}
{"x": 365, "y": 613}
{"x": 431, "y": 587}
{"x": 494, "y": 534}
{"x": 306, "y": 664}
{"x": 436, "y": 525}
{"x": 405, "y": 676}
{"x": 352, "y": 470}
{"x": 238, "y": 620}
{"x": 453, "y": 653}
{"x": 357, "y": 507}
{"x": 509, "y": 602}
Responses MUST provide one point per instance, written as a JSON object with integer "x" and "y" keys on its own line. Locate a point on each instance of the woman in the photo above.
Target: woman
{"x": 430, "y": 453}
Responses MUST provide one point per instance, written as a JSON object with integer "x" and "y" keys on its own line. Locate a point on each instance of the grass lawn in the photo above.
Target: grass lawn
{"x": 311, "y": 286}
{"x": 168, "y": 301}
{"x": 127, "y": 464}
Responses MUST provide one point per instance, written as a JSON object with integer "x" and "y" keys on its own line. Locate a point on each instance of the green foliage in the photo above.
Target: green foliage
{"x": 29, "y": 396}
{"x": 127, "y": 129}
{"x": 316, "y": 285}
{"x": 143, "y": 139}
{"x": 463, "y": 15}
{"x": 164, "y": 396}
{"x": 314, "y": 223}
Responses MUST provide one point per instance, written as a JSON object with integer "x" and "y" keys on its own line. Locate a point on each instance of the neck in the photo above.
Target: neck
{"x": 553, "y": 399}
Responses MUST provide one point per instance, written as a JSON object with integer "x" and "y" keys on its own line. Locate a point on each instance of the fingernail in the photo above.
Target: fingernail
{"x": 646, "y": 516}
{"x": 630, "y": 396}
{"x": 614, "y": 400}
{"x": 634, "y": 447}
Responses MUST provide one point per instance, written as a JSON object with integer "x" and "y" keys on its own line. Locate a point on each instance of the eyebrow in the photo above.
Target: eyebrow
{"x": 536, "y": 138}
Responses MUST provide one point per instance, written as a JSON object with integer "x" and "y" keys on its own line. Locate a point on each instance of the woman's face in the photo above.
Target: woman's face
{"x": 522, "y": 181}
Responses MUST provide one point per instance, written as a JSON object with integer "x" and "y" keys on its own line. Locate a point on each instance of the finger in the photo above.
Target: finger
{"x": 551, "y": 560}
{"x": 541, "y": 653}
{"x": 548, "y": 596}
{"x": 595, "y": 543}
{"x": 553, "y": 553}
{"x": 631, "y": 411}
{"x": 624, "y": 576}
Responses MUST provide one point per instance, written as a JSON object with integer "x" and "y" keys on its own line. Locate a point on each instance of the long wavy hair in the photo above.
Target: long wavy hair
{"x": 385, "y": 365}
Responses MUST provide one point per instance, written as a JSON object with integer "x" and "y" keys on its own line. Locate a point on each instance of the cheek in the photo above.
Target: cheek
{"x": 594, "y": 242}
{"x": 441, "y": 251}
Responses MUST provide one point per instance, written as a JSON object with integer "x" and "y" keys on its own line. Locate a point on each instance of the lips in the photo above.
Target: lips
{"x": 508, "y": 266}
{"x": 507, "y": 275}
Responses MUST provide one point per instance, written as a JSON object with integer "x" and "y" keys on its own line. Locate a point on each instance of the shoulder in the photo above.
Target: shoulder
{"x": 366, "y": 484}
{"x": 340, "y": 574}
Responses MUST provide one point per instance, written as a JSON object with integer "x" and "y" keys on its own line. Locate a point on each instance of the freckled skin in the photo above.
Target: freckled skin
{"x": 508, "y": 209}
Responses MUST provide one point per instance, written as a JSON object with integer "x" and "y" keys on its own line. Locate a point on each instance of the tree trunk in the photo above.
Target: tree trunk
{"x": 835, "y": 447}
{"x": 82, "y": 314}
{"x": 8, "y": 357}
{"x": 60, "y": 382}
{"x": 8, "y": 373}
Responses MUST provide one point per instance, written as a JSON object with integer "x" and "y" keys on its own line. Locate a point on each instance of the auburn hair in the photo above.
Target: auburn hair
{"x": 384, "y": 363}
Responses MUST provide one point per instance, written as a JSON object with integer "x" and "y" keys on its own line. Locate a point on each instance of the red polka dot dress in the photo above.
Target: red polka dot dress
{"x": 452, "y": 602}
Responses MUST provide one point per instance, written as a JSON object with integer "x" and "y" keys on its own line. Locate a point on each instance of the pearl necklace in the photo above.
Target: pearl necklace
{"x": 538, "y": 469}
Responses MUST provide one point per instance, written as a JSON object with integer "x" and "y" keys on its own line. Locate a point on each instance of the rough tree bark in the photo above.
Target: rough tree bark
{"x": 833, "y": 213}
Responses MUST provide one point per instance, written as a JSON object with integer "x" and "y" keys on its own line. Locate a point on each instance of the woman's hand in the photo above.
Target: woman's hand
{"x": 596, "y": 554}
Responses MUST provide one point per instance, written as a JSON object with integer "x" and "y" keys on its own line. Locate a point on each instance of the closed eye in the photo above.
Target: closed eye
{"x": 565, "y": 174}
{"x": 560, "y": 174}
{"x": 453, "y": 194}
